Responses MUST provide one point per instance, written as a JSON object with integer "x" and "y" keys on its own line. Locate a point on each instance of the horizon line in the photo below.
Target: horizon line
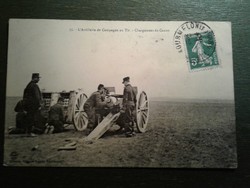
{"x": 167, "y": 98}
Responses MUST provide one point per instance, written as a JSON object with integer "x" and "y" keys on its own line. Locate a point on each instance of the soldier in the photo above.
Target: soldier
{"x": 20, "y": 120}
{"x": 32, "y": 100}
{"x": 56, "y": 117}
{"x": 129, "y": 105}
{"x": 94, "y": 102}
{"x": 104, "y": 111}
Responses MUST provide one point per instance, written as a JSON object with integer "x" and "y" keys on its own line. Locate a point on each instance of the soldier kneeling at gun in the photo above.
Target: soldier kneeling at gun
{"x": 56, "y": 118}
{"x": 94, "y": 105}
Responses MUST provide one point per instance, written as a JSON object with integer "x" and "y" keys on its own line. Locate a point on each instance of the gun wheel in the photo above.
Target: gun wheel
{"x": 80, "y": 118}
{"x": 142, "y": 112}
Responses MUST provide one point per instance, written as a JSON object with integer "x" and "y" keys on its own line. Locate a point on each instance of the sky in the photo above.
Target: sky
{"x": 71, "y": 54}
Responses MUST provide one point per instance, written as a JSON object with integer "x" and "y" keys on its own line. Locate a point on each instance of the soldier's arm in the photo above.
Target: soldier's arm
{"x": 125, "y": 95}
{"x": 135, "y": 95}
{"x": 37, "y": 96}
{"x": 99, "y": 102}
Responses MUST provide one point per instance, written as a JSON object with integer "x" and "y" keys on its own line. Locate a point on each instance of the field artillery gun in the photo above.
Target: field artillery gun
{"x": 72, "y": 105}
{"x": 114, "y": 116}
{"x": 75, "y": 114}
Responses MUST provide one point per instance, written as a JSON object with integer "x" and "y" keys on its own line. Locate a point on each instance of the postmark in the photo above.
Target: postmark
{"x": 197, "y": 41}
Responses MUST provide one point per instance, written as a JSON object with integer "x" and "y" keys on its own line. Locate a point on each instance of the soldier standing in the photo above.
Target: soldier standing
{"x": 129, "y": 105}
{"x": 93, "y": 103}
{"x": 32, "y": 99}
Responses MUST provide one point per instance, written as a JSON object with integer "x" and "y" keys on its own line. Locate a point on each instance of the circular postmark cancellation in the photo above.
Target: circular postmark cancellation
{"x": 197, "y": 41}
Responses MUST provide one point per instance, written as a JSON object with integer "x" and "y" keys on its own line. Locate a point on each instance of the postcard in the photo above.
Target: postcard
{"x": 155, "y": 94}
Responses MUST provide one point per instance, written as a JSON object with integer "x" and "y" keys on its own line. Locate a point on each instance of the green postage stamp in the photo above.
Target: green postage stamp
{"x": 201, "y": 51}
{"x": 198, "y": 42}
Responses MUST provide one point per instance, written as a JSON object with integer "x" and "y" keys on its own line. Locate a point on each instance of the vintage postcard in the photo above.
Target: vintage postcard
{"x": 120, "y": 94}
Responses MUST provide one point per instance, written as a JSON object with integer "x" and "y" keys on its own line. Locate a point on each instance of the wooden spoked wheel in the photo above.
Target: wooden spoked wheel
{"x": 142, "y": 110}
{"x": 80, "y": 118}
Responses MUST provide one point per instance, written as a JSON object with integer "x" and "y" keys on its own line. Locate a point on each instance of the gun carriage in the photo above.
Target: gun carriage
{"x": 74, "y": 112}
{"x": 72, "y": 105}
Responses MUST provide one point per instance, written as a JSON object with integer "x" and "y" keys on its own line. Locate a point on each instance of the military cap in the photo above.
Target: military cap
{"x": 126, "y": 79}
{"x": 100, "y": 86}
{"x": 35, "y": 75}
{"x": 60, "y": 99}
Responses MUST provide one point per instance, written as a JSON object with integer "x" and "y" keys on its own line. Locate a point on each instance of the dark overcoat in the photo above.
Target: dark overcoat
{"x": 32, "y": 97}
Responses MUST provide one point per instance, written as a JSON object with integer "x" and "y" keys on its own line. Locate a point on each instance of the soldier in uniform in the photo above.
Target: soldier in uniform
{"x": 93, "y": 103}
{"x": 32, "y": 101}
{"x": 56, "y": 117}
{"x": 129, "y": 105}
{"x": 20, "y": 120}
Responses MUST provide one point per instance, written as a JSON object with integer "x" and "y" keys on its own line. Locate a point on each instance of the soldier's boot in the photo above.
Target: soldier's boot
{"x": 130, "y": 130}
{"x": 89, "y": 129}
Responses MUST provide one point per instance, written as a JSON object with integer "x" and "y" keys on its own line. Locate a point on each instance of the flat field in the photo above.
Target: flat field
{"x": 179, "y": 135}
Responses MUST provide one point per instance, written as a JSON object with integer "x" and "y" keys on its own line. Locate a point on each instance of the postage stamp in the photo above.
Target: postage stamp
{"x": 201, "y": 50}
{"x": 198, "y": 42}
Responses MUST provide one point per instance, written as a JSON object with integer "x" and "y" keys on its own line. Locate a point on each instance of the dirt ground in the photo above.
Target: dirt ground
{"x": 179, "y": 135}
